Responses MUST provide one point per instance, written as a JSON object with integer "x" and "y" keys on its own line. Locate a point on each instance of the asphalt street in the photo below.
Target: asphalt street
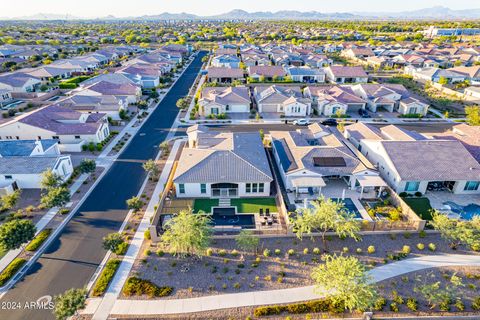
{"x": 73, "y": 257}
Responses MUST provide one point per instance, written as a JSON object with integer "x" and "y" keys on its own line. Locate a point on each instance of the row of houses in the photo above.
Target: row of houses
{"x": 291, "y": 100}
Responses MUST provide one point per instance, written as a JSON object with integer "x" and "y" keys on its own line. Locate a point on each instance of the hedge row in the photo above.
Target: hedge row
{"x": 10, "y": 270}
{"x": 325, "y": 305}
{"x": 38, "y": 240}
{"x": 66, "y": 85}
{"x": 106, "y": 276}
{"x": 138, "y": 287}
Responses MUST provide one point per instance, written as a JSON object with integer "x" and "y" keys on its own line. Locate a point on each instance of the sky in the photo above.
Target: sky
{"x": 125, "y": 8}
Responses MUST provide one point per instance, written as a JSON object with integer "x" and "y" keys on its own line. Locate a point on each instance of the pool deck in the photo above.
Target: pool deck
{"x": 437, "y": 198}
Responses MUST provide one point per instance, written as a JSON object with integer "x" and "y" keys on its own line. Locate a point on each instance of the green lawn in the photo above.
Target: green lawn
{"x": 204, "y": 205}
{"x": 421, "y": 206}
{"x": 253, "y": 205}
{"x": 243, "y": 205}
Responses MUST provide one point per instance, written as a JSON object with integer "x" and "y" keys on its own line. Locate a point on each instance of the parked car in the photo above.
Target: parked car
{"x": 301, "y": 122}
{"x": 330, "y": 122}
{"x": 363, "y": 113}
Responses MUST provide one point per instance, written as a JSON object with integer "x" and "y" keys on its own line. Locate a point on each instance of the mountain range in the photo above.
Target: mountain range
{"x": 437, "y": 12}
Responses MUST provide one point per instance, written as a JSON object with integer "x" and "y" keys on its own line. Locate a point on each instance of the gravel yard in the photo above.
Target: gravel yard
{"x": 230, "y": 270}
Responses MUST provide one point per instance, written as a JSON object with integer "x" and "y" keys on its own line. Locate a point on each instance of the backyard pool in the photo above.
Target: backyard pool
{"x": 226, "y": 216}
{"x": 465, "y": 212}
{"x": 349, "y": 206}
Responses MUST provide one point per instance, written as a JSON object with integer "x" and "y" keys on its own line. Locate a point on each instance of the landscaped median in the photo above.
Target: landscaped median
{"x": 11, "y": 270}
{"x": 138, "y": 287}
{"x": 38, "y": 240}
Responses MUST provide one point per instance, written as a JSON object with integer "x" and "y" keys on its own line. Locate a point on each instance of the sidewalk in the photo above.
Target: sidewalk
{"x": 123, "y": 271}
{"x": 257, "y": 298}
{"x": 42, "y": 223}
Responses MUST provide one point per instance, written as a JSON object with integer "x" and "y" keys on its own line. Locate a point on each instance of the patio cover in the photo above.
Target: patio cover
{"x": 303, "y": 182}
{"x": 371, "y": 181}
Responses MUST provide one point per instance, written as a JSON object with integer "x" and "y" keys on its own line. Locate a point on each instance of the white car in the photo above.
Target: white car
{"x": 301, "y": 122}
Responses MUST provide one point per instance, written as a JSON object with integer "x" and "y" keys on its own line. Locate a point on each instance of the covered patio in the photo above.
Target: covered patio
{"x": 369, "y": 184}
{"x": 308, "y": 185}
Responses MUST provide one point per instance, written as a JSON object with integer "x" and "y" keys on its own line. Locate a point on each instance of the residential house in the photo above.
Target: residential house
{"x": 306, "y": 74}
{"x": 224, "y": 75}
{"x": 142, "y": 74}
{"x": 346, "y": 74}
{"x": 435, "y": 74}
{"x": 471, "y": 74}
{"x": 395, "y": 152}
{"x": 19, "y": 82}
{"x": 5, "y": 97}
{"x": 468, "y": 135}
{"x": 266, "y": 73}
{"x": 23, "y": 162}
{"x": 218, "y": 100}
{"x": 333, "y": 100}
{"x": 222, "y": 165}
{"x": 126, "y": 91}
{"x": 224, "y": 60}
{"x": 358, "y": 53}
{"x": 70, "y": 128}
{"x": 472, "y": 92}
{"x": 110, "y": 105}
{"x": 286, "y": 100}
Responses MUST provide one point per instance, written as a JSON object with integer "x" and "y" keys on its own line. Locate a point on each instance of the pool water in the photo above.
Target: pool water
{"x": 227, "y": 217}
{"x": 466, "y": 212}
{"x": 349, "y": 206}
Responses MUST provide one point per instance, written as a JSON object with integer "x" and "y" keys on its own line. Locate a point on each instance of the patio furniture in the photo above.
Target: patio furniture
{"x": 269, "y": 221}
{"x": 267, "y": 212}
{"x": 261, "y": 212}
{"x": 263, "y": 222}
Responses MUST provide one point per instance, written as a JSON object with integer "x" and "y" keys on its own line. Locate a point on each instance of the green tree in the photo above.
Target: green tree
{"x": 326, "y": 215}
{"x": 187, "y": 233}
{"x": 246, "y": 240}
{"x": 68, "y": 303}
{"x": 9, "y": 201}
{"x": 456, "y": 231}
{"x": 112, "y": 241}
{"x": 87, "y": 166}
{"x": 15, "y": 233}
{"x": 151, "y": 167}
{"x": 347, "y": 280}
{"x": 56, "y": 197}
{"x": 443, "y": 81}
{"x": 473, "y": 115}
{"x": 182, "y": 103}
{"x": 433, "y": 291}
{"x": 135, "y": 203}
{"x": 50, "y": 180}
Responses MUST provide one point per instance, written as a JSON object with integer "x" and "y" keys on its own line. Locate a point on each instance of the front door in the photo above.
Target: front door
{"x": 224, "y": 192}
{"x": 214, "y": 110}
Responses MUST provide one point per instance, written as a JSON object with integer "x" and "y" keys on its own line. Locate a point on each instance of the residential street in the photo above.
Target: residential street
{"x": 72, "y": 259}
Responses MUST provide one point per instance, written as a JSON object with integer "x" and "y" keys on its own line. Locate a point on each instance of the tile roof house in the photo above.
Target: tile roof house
{"x": 126, "y": 91}
{"x": 70, "y": 128}
{"x": 222, "y": 165}
{"x": 225, "y": 60}
{"x": 309, "y": 158}
{"x": 286, "y": 100}
{"x": 471, "y": 73}
{"x": 346, "y": 74}
{"x": 218, "y": 100}
{"x": 469, "y": 136}
{"x": 22, "y": 163}
{"x": 266, "y": 73}
{"x": 109, "y": 105}
{"x": 224, "y": 75}
{"x": 19, "y": 82}
{"x": 143, "y": 74}
{"x": 306, "y": 74}
{"x": 330, "y": 100}
{"x": 395, "y": 152}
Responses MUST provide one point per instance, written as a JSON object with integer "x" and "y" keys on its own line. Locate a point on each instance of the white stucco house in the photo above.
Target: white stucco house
{"x": 218, "y": 100}
{"x": 222, "y": 165}
{"x": 330, "y": 100}
{"x": 286, "y": 100}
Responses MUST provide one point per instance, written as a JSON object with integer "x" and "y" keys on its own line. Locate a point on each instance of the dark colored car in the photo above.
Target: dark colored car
{"x": 363, "y": 113}
{"x": 330, "y": 122}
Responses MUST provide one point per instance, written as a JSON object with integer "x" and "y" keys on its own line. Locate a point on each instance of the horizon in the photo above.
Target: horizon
{"x": 117, "y": 9}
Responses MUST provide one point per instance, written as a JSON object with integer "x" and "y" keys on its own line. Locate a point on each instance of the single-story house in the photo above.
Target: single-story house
{"x": 346, "y": 74}
{"x": 287, "y": 100}
{"x": 5, "y": 97}
{"x": 225, "y": 60}
{"x": 266, "y": 73}
{"x": 330, "y": 100}
{"x": 217, "y": 100}
{"x": 19, "y": 82}
{"x": 306, "y": 74}
{"x": 222, "y": 165}
{"x": 472, "y": 92}
{"x": 224, "y": 75}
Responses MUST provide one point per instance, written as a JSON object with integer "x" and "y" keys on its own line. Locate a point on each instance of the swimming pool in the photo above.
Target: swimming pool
{"x": 465, "y": 212}
{"x": 226, "y": 216}
{"x": 349, "y": 206}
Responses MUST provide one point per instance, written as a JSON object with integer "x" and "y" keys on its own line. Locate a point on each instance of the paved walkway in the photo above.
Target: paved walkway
{"x": 256, "y": 298}
{"x": 42, "y": 223}
{"x": 110, "y": 297}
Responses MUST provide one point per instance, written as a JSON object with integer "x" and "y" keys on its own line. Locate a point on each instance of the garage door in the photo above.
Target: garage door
{"x": 239, "y": 108}
{"x": 269, "y": 108}
{"x": 354, "y": 107}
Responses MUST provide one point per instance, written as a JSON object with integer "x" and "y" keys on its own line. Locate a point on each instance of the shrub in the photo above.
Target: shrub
{"x": 147, "y": 234}
{"x": 147, "y": 252}
{"x": 266, "y": 253}
{"x": 278, "y": 252}
{"x": 105, "y": 277}
{"x": 291, "y": 252}
{"x": 359, "y": 250}
{"x": 406, "y": 249}
{"x": 160, "y": 253}
{"x": 121, "y": 249}
{"x": 234, "y": 252}
{"x": 222, "y": 253}
{"x": 422, "y": 234}
{"x": 345, "y": 250}
{"x": 475, "y": 246}
{"x": 432, "y": 247}
{"x": 444, "y": 305}
{"x": 412, "y": 304}
{"x": 64, "y": 211}
{"x": 209, "y": 252}
{"x": 418, "y": 194}
{"x": 11, "y": 269}
{"x": 459, "y": 304}
{"x": 137, "y": 286}
{"x": 393, "y": 307}
{"x": 371, "y": 249}
{"x": 407, "y": 235}
{"x": 403, "y": 194}
{"x": 316, "y": 251}
{"x": 476, "y": 303}
{"x": 38, "y": 240}
{"x": 420, "y": 246}
{"x": 315, "y": 306}
{"x": 379, "y": 304}
{"x": 397, "y": 298}
{"x": 305, "y": 251}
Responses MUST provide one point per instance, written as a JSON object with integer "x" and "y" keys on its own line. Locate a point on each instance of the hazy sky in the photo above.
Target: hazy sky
{"x": 122, "y": 8}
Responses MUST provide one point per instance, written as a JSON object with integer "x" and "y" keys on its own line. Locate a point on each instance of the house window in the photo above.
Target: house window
{"x": 181, "y": 188}
{"x": 248, "y": 188}
{"x": 77, "y": 137}
{"x": 56, "y": 137}
{"x": 261, "y": 187}
{"x": 39, "y": 138}
{"x": 254, "y": 188}
{"x": 227, "y": 108}
{"x": 8, "y": 177}
{"x": 203, "y": 188}
{"x": 471, "y": 185}
{"x": 412, "y": 186}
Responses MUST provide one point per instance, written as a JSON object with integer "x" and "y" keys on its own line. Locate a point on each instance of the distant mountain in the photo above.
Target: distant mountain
{"x": 437, "y": 12}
